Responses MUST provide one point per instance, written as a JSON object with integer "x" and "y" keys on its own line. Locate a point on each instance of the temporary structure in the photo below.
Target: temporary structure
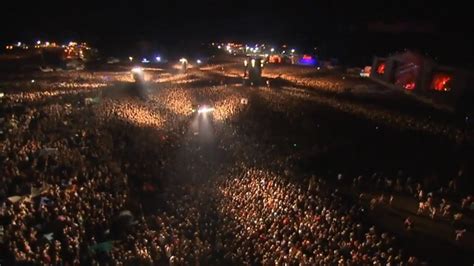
{"x": 423, "y": 76}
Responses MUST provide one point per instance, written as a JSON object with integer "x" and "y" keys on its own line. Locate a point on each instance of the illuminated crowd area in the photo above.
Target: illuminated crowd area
{"x": 187, "y": 163}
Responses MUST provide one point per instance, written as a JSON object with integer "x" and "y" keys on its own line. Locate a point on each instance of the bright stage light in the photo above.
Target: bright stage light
{"x": 205, "y": 110}
{"x": 137, "y": 70}
{"x": 137, "y": 74}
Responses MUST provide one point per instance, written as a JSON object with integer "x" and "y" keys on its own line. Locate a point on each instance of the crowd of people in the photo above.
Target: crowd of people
{"x": 66, "y": 163}
{"x": 329, "y": 88}
{"x": 60, "y": 186}
{"x": 275, "y": 221}
{"x": 446, "y": 202}
{"x": 124, "y": 180}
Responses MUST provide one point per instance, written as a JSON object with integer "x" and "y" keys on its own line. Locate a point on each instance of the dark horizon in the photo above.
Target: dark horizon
{"x": 360, "y": 29}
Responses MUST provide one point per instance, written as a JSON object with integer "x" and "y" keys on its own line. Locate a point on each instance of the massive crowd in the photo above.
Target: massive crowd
{"x": 275, "y": 221}
{"x": 59, "y": 187}
{"x": 76, "y": 179}
{"x": 334, "y": 91}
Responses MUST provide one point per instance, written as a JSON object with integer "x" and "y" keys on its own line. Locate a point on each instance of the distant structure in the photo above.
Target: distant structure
{"x": 80, "y": 51}
{"x": 421, "y": 75}
{"x": 69, "y": 51}
{"x": 275, "y": 59}
{"x": 253, "y": 70}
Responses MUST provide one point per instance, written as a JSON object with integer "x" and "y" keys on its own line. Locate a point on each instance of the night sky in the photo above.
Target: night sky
{"x": 343, "y": 27}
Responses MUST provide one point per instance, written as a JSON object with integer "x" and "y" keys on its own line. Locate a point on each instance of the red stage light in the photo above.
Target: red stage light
{"x": 410, "y": 86}
{"x": 440, "y": 82}
{"x": 381, "y": 69}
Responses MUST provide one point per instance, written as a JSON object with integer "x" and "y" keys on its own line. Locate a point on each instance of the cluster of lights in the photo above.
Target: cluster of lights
{"x": 18, "y": 45}
{"x": 40, "y": 44}
{"x": 261, "y": 48}
{"x": 73, "y": 49}
{"x": 257, "y": 48}
{"x": 69, "y": 51}
{"x": 230, "y": 47}
{"x": 145, "y": 60}
{"x": 253, "y": 62}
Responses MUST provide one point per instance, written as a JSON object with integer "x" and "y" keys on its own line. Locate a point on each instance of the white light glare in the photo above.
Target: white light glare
{"x": 205, "y": 109}
{"x": 199, "y": 61}
{"x": 158, "y": 59}
{"x": 137, "y": 70}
